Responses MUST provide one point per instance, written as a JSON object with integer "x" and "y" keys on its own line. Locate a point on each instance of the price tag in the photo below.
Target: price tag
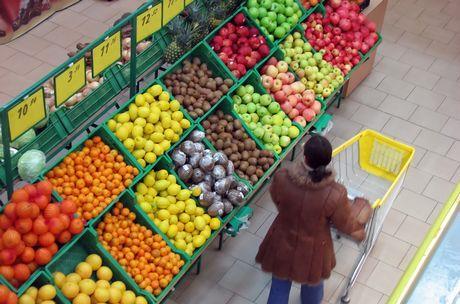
{"x": 106, "y": 53}
{"x": 171, "y": 8}
{"x": 187, "y": 2}
{"x": 69, "y": 82}
{"x": 27, "y": 114}
{"x": 148, "y": 22}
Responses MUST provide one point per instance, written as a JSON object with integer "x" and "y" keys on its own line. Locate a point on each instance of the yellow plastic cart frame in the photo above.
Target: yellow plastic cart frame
{"x": 373, "y": 166}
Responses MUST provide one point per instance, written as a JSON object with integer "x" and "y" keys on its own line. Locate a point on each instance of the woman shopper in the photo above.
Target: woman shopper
{"x": 298, "y": 246}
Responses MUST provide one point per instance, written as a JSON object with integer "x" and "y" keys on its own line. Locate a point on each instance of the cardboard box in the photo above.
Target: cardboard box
{"x": 375, "y": 12}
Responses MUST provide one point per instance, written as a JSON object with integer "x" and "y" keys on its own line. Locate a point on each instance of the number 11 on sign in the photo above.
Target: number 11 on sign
{"x": 106, "y": 53}
{"x": 171, "y": 8}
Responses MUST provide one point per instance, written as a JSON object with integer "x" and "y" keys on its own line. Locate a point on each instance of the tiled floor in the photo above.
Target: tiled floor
{"x": 413, "y": 95}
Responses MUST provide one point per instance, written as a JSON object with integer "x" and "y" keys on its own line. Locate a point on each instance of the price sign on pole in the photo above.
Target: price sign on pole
{"x": 106, "y": 53}
{"x": 27, "y": 114}
{"x": 69, "y": 82}
{"x": 148, "y": 22}
{"x": 171, "y": 8}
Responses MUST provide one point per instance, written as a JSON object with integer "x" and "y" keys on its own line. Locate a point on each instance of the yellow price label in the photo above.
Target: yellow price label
{"x": 171, "y": 8}
{"x": 148, "y": 22}
{"x": 27, "y": 114}
{"x": 187, "y": 2}
{"x": 69, "y": 82}
{"x": 106, "y": 53}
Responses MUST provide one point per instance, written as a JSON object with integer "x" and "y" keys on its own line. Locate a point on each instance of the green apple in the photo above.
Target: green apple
{"x": 269, "y": 147}
{"x": 242, "y": 109}
{"x": 251, "y": 107}
{"x": 236, "y": 99}
{"x": 284, "y": 141}
{"x": 279, "y": 32}
{"x": 293, "y": 132}
{"x": 253, "y": 12}
{"x": 266, "y": 120}
{"x": 284, "y": 131}
{"x": 303, "y": 64}
{"x": 254, "y": 117}
{"x": 277, "y": 130}
{"x": 262, "y": 112}
{"x": 277, "y": 120}
{"x": 252, "y": 3}
{"x": 259, "y": 132}
{"x": 249, "y": 89}
{"x": 287, "y": 122}
{"x": 280, "y": 18}
{"x": 306, "y": 47}
{"x": 318, "y": 88}
{"x": 246, "y": 117}
{"x": 298, "y": 42}
{"x": 289, "y": 11}
{"x": 311, "y": 62}
{"x": 318, "y": 57}
{"x": 268, "y": 135}
{"x": 241, "y": 91}
{"x": 255, "y": 97}
{"x": 277, "y": 149}
{"x": 265, "y": 22}
{"x": 274, "y": 107}
{"x": 272, "y": 15}
{"x": 262, "y": 12}
{"x": 267, "y": 4}
{"x": 265, "y": 100}
{"x": 298, "y": 50}
{"x": 252, "y": 125}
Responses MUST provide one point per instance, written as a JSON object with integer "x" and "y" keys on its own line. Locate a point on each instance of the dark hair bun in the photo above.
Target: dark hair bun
{"x": 318, "y": 154}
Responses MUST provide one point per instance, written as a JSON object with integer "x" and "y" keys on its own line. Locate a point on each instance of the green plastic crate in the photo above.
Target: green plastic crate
{"x": 38, "y": 279}
{"x": 207, "y": 56}
{"x": 125, "y": 108}
{"x": 87, "y": 244}
{"x": 128, "y": 200}
{"x": 87, "y": 111}
{"x": 226, "y": 107}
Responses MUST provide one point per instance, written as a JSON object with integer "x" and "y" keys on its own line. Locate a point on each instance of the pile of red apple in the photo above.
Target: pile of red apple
{"x": 342, "y": 33}
{"x": 30, "y": 229}
{"x": 239, "y": 46}
{"x": 295, "y": 99}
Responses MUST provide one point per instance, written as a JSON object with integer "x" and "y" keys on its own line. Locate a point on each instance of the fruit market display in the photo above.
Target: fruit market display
{"x": 150, "y": 125}
{"x": 239, "y": 46}
{"x": 7, "y": 296}
{"x": 342, "y": 33}
{"x": 314, "y": 72}
{"x": 92, "y": 177}
{"x": 145, "y": 256}
{"x": 307, "y": 4}
{"x": 174, "y": 211}
{"x": 33, "y": 295}
{"x": 91, "y": 282}
{"x": 295, "y": 99}
{"x": 211, "y": 172}
{"x": 275, "y": 17}
{"x": 263, "y": 115}
{"x": 228, "y": 135}
{"x": 196, "y": 87}
{"x": 31, "y": 227}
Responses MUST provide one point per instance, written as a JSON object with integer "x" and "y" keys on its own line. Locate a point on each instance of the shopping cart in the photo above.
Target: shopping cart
{"x": 373, "y": 166}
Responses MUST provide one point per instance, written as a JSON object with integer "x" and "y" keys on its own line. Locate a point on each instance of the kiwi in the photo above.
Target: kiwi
{"x": 251, "y": 170}
{"x": 243, "y": 166}
{"x": 259, "y": 173}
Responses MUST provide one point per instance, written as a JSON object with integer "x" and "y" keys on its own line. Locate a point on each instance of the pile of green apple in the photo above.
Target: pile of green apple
{"x": 275, "y": 17}
{"x": 264, "y": 117}
{"x": 314, "y": 72}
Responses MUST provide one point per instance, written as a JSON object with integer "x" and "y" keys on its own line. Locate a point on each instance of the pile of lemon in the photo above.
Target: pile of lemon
{"x": 174, "y": 211}
{"x": 151, "y": 124}
{"x": 80, "y": 287}
{"x": 42, "y": 295}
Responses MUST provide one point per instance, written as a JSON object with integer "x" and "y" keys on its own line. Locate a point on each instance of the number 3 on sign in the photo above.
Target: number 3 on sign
{"x": 27, "y": 114}
{"x": 106, "y": 53}
{"x": 69, "y": 82}
{"x": 171, "y": 8}
{"x": 148, "y": 22}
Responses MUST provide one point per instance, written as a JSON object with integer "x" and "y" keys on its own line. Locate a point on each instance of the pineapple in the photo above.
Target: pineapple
{"x": 180, "y": 33}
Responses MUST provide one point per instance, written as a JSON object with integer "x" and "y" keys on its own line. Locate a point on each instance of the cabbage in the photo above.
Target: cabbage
{"x": 30, "y": 164}
{"x": 24, "y": 139}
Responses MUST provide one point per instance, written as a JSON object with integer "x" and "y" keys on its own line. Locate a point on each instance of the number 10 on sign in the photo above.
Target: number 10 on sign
{"x": 106, "y": 53}
{"x": 148, "y": 22}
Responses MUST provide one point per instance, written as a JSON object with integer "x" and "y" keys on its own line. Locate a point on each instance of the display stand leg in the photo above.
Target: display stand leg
{"x": 293, "y": 153}
{"x": 198, "y": 266}
{"x": 221, "y": 239}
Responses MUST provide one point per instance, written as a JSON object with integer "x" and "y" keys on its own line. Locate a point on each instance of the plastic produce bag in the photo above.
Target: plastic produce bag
{"x": 30, "y": 164}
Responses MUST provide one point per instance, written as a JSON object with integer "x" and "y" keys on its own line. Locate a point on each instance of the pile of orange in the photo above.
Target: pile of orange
{"x": 92, "y": 177}
{"x": 145, "y": 256}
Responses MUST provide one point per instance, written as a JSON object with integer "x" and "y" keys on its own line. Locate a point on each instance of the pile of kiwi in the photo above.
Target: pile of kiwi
{"x": 195, "y": 86}
{"x": 228, "y": 135}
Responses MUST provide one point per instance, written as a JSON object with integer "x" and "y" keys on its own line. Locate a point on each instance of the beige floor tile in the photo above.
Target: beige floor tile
{"x": 389, "y": 249}
{"x": 202, "y": 291}
{"x": 346, "y": 259}
{"x": 412, "y": 231}
{"x": 407, "y": 258}
{"x": 53, "y": 55}
{"x": 422, "y": 78}
{"x": 3, "y": 72}
{"x": 366, "y": 271}
{"x": 438, "y": 34}
{"x": 92, "y": 28}
{"x": 347, "y": 110}
{"x": 4, "y": 98}
{"x": 371, "y": 118}
{"x": 434, "y": 141}
{"x": 451, "y": 128}
{"x": 416, "y": 180}
{"x": 68, "y": 18}
{"x": 258, "y": 219}
{"x": 265, "y": 226}
{"x": 361, "y": 294}
{"x": 43, "y": 28}
{"x": 417, "y": 59}
{"x": 391, "y": 50}
{"x": 392, "y": 221}
{"x": 454, "y": 151}
{"x": 442, "y": 50}
{"x": 426, "y": 98}
{"x": 448, "y": 87}
{"x": 414, "y": 41}
{"x": 397, "y": 107}
{"x": 244, "y": 247}
{"x": 414, "y": 204}
{"x": 331, "y": 284}
{"x": 6, "y": 52}
{"x": 396, "y": 87}
{"x": 433, "y": 18}
{"x": 384, "y": 278}
{"x": 373, "y": 79}
{"x": 245, "y": 280}
{"x": 20, "y": 63}
{"x": 439, "y": 189}
{"x": 39, "y": 72}
{"x": 438, "y": 165}
{"x": 450, "y": 107}
{"x": 216, "y": 263}
{"x": 453, "y": 25}
{"x": 391, "y": 32}
{"x": 418, "y": 155}
{"x": 409, "y": 22}
{"x": 384, "y": 299}
{"x": 81, "y": 6}
{"x": 401, "y": 129}
{"x": 368, "y": 96}
{"x": 12, "y": 84}
{"x": 392, "y": 67}
{"x": 101, "y": 12}
{"x": 456, "y": 178}
{"x": 451, "y": 9}
{"x": 266, "y": 202}
{"x": 29, "y": 44}
{"x": 434, "y": 215}
{"x": 445, "y": 69}
{"x": 236, "y": 299}
{"x": 429, "y": 119}
{"x": 63, "y": 37}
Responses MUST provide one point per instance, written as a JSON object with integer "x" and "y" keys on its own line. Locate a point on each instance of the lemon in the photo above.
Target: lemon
{"x": 159, "y": 128}
{"x": 128, "y": 298}
{"x": 73, "y": 277}
{"x": 175, "y": 126}
{"x": 165, "y": 144}
{"x": 190, "y": 209}
{"x": 139, "y": 100}
{"x": 104, "y": 273}
{"x": 214, "y": 223}
{"x": 207, "y": 218}
{"x": 139, "y": 154}
{"x": 164, "y": 96}
{"x": 152, "y": 192}
{"x": 103, "y": 284}
{"x": 184, "y": 218}
{"x": 149, "y": 181}
{"x": 172, "y": 231}
{"x": 174, "y": 189}
{"x": 175, "y": 138}
{"x": 148, "y": 198}
{"x": 206, "y": 233}
{"x": 129, "y": 144}
{"x": 139, "y": 142}
{"x": 141, "y": 162}
{"x": 157, "y": 137}
{"x": 81, "y": 299}
{"x": 181, "y": 244}
{"x": 141, "y": 188}
{"x": 47, "y": 292}
{"x": 59, "y": 279}
{"x": 174, "y": 105}
{"x": 115, "y": 294}
{"x": 172, "y": 209}
{"x": 150, "y": 157}
{"x": 173, "y": 219}
{"x": 172, "y": 179}
{"x": 164, "y": 226}
{"x": 102, "y": 295}
{"x": 161, "y": 184}
{"x": 163, "y": 214}
{"x": 122, "y": 117}
{"x": 158, "y": 149}
{"x": 185, "y": 124}
{"x": 87, "y": 286}
{"x": 112, "y": 124}
{"x": 177, "y": 116}
{"x": 143, "y": 112}
{"x": 153, "y": 117}
{"x": 33, "y": 292}
{"x": 119, "y": 285}
{"x": 199, "y": 211}
{"x": 171, "y": 199}
{"x": 168, "y": 134}
{"x": 200, "y": 223}
{"x": 162, "y": 175}
{"x": 26, "y": 299}
{"x": 198, "y": 241}
{"x": 166, "y": 122}
{"x": 163, "y": 193}
{"x": 162, "y": 202}
{"x": 163, "y": 105}
{"x": 196, "y": 191}
{"x": 149, "y": 145}
{"x": 148, "y": 97}
{"x": 84, "y": 270}
{"x": 122, "y": 133}
{"x": 189, "y": 227}
{"x": 155, "y": 90}
{"x": 183, "y": 195}
{"x": 181, "y": 206}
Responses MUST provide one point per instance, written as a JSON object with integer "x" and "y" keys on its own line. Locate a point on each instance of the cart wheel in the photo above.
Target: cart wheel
{"x": 345, "y": 299}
